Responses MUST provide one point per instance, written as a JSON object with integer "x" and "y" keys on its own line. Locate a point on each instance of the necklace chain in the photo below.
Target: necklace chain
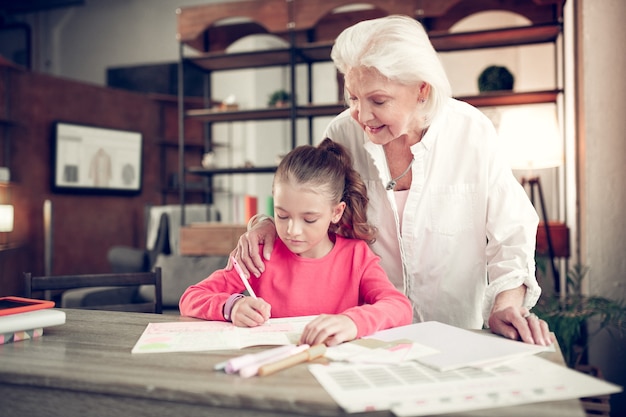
{"x": 394, "y": 181}
{"x": 392, "y": 184}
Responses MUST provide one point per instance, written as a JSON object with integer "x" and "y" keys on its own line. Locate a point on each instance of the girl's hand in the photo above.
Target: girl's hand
{"x": 329, "y": 329}
{"x": 250, "y": 312}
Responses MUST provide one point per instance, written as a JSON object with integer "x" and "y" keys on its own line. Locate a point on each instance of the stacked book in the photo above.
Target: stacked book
{"x": 25, "y": 318}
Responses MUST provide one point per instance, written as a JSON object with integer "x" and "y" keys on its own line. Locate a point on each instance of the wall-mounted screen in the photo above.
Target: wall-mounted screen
{"x": 96, "y": 159}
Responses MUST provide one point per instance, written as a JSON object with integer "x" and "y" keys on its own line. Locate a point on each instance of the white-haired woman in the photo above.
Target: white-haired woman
{"x": 456, "y": 229}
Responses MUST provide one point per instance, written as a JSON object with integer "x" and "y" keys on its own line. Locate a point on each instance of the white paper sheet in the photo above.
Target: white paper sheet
{"x": 193, "y": 336}
{"x": 393, "y": 352}
{"x": 458, "y": 347}
{"x": 412, "y": 389}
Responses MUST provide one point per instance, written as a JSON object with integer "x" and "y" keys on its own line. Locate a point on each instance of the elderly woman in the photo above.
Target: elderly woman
{"x": 456, "y": 229}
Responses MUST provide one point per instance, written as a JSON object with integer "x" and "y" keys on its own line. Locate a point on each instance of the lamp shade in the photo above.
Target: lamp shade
{"x": 6, "y": 218}
{"x": 532, "y": 137}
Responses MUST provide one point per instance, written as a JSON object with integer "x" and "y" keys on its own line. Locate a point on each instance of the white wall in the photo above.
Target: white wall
{"x": 603, "y": 170}
{"x": 81, "y": 42}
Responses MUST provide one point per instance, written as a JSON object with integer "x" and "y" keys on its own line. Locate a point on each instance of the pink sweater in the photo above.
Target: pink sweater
{"x": 349, "y": 280}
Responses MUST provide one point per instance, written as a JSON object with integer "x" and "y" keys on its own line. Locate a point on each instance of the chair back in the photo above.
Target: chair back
{"x": 66, "y": 282}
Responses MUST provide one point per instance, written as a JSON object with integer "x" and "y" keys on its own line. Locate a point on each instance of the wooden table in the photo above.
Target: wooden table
{"x": 85, "y": 368}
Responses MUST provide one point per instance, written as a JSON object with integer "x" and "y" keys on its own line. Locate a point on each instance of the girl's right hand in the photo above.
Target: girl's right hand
{"x": 247, "y": 251}
{"x": 250, "y": 312}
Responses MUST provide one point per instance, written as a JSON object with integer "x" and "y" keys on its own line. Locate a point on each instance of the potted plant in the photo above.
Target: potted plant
{"x": 495, "y": 78}
{"x": 279, "y": 98}
{"x": 569, "y": 315}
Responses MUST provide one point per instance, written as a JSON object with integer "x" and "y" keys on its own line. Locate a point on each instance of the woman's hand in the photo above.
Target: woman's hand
{"x": 250, "y": 312}
{"x": 329, "y": 329}
{"x": 514, "y": 322}
{"x": 517, "y": 323}
{"x": 247, "y": 251}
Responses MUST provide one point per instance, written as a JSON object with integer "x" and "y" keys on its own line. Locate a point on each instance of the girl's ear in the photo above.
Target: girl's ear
{"x": 338, "y": 212}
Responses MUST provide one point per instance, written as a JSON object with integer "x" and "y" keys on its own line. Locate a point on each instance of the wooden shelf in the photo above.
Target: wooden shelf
{"x": 210, "y": 115}
{"x": 499, "y": 98}
{"x": 231, "y": 61}
{"x": 242, "y": 170}
{"x": 505, "y": 98}
{"x": 497, "y": 38}
{"x": 320, "y": 51}
{"x": 315, "y": 110}
{"x": 224, "y": 61}
{"x": 450, "y": 42}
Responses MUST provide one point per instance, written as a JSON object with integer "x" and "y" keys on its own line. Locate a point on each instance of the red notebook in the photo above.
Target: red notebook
{"x": 14, "y": 305}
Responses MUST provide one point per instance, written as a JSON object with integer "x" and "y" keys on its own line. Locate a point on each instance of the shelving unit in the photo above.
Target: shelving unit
{"x": 169, "y": 183}
{"x": 168, "y": 145}
{"x": 309, "y": 29}
{"x": 7, "y": 124}
{"x": 6, "y": 119}
{"x": 12, "y": 253}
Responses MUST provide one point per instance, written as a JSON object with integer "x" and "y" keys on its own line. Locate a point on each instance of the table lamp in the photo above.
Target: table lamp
{"x": 533, "y": 142}
{"x": 6, "y": 218}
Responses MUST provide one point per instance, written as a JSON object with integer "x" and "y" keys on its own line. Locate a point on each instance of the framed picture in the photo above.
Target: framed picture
{"x": 96, "y": 159}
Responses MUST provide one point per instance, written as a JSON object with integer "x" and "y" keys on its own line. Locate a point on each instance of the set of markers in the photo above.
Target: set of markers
{"x": 271, "y": 360}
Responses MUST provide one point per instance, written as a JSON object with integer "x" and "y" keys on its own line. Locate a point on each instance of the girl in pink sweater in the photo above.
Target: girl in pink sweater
{"x": 320, "y": 265}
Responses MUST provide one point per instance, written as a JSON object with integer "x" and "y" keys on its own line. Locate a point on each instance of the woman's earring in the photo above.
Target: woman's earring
{"x": 422, "y": 100}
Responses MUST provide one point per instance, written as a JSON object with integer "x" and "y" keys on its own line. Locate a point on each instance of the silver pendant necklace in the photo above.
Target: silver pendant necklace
{"x": 394, "y": 181}
{"x": 392, "y": 184}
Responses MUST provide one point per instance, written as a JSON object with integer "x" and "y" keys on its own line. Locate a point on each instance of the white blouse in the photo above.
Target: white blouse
{"x": 468, "y": 230}
{"x": 401, "y": 197}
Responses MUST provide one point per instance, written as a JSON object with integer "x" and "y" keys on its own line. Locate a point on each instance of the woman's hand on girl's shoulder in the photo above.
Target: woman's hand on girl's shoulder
{"x": 247, "y": 252}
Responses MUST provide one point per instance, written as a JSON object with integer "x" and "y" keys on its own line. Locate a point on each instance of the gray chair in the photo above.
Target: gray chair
{"x": 132, "y": 281}
{"x": 124, "y": 259}
{"x": 160, "y": 240}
